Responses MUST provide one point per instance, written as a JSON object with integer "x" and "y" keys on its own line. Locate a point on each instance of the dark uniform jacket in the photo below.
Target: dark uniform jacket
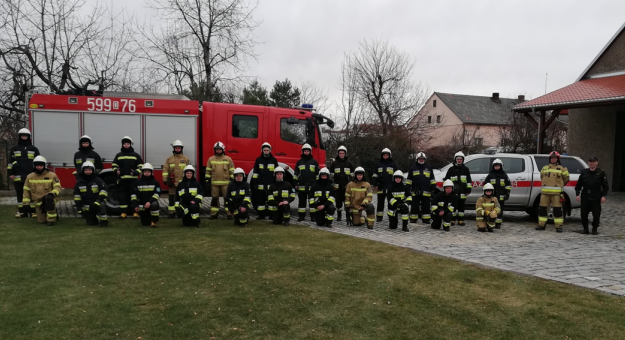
{"x": 189, "y": 190}
{"x": 89, "y": 190}
{"x": 383, "y": 174}
{"x": 263, "y": 172}
{"x": 500, "y": 181}
{"x": 322, "y": 193}
{"x": 238, "y": 195}
{"x": 129, "y": 164}
{"x": 87, "y": 154}
{"x": 444, "y": 202}
{"x": 280, "y": 191}
{"x": 146, "y": 189}
{"x": 461, "y": 176}
{"x": 421, "y": 179}
{"x": 398, "y": 193}
{"x": 21, "y": 160}
{"x": 306, "y": 170}
{"x": 592, "y": 184}
{"x": 342, "y": 170}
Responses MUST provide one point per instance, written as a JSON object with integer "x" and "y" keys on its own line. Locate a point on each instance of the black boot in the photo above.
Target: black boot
{"x": 559, "y": 230}
{"x": 540, "y": 228}
{"x": 585, "y": 231}
{"x": 104, "y": 224}
{"x": 301, "y": 217}
{"x": 446, "y": 228}
{"x": 339, "y": 215}
{"x": 481, "y": 230}
{"x": 49, "y": 224}
{"x": 378, "y": 218}
{"x": 312, "y": 218}
{"x": 497, "y": 225}
{"x": 171, "y": 216}
{"x": 489, "y": 229}
{"x": 594, "y": 230}
{"x": 286, "y": 223}
{"x": 230, "y": 217}
{"x": 404, "y": 226}
{"x": 328, "y": 224}
{"x": 212, "y": 217}
{"x": 414, "y": 220}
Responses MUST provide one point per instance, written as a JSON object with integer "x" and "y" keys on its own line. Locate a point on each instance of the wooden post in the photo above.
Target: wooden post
{"x": 541, "y": 132}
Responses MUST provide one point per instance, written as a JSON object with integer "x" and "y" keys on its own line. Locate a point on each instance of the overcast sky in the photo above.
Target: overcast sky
{"x": 466, "y": 47}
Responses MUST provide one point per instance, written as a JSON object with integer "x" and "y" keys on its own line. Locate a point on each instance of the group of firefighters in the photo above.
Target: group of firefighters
{"x": 326, "y": 191}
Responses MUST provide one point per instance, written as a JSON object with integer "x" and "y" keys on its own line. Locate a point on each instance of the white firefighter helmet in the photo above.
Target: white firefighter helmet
{"x": 278, "y": 169}
{"x": 23, "y": 131}
{"x": 189, "y": 168}
{"x": 398, "y": 173}
{"x": 342, "y": 148}
{"x": 421, "y": 155}
{"x": 239, "y": 171}
{"x": 85, "y": 138}
{"x": 147, "y": 166}
{"x": 448, "y": 183}
{"x": 387, "y": 150}
{"x": 219, "y": 145}
{"x": 39, "y": 159}
{"x": 87, "y": 164}
{"x": 360, "y": 170}
{"x": 306, "y": 146}
{"x": 324, "y": 171}
{"x": 498, "y": 161}
{"x": 127, "y": 139}
{"x": 458, "y": 154}
{"x": 177, "y": 142}
{"x": 265, "y": 145}
{"x": 488, "y": 186}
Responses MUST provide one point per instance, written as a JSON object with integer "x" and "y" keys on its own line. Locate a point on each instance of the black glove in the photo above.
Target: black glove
{"x": 507, "y": 197}
{"x": 50, "y": 196}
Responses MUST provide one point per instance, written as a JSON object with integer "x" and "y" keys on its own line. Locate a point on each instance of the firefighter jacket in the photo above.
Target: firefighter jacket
{"x": 341, "y": 170}
{"x": 189, "y": 190}
{"x": 421, "y": 179}
{"x": 89, "y": 190}
{"x": 21, "y": 160}
{"x": 306, "y": 170}
{"x": 444, "y": 202}
{"x": 280, "y": 191}
{"x": 592, "y": 185}
{"x": 87, "y": 154}
{"x": 238, "y": 195}
{"x": 37, "y": 186}
{"x": 219, "y": 170}
{"x": 358, "y": 193}
{"x": 461, "y": 176}
{"x": 322, "y": 193}
{"x": 485, "y": 205}
{"x": 554, "y": 178}
{"x": 500, "y": 181}
{"x": 263, "y": 172}
{"x": 398, "y": 193}
{"x": 146, "y": 189}
{"x": 129, "y": 164}
{"x": 175, "y": 165}
{"x": 383, "y": 175}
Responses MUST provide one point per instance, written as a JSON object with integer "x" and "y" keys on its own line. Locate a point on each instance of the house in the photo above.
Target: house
{"x": 596, "y": 105}
{"x": 465, "y": 119}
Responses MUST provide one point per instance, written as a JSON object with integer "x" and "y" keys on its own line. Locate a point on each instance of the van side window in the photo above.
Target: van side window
{"x": 513, "y": 165}
{"x": 245, "y": 126}
{"x": 293, "y": 132}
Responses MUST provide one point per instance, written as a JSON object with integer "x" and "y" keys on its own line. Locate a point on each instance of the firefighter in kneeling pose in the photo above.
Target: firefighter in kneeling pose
{"x": 173, "y": 173}
{"x": 398, "y": 200}
{"x": 487, "y": 209}
{"x": 554, "y": 177}
{"x": 443, "y": 206}
{"x": 219, "y": 169}
{"x": 322, "y": 200}
{"x": 238, "y": 199}
{"x": 189, "y": 195}
{"x": 281, "y": 194}
{"x": 358, "y": 196}
{"x": 90, "y": 196}
{"x": 42, "y": 187}
{"x": 421, "y": 179}
{"x": 145, "y": 196}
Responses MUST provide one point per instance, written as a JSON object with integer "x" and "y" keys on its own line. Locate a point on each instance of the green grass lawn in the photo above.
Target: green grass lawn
{"x": 268, "y": 282}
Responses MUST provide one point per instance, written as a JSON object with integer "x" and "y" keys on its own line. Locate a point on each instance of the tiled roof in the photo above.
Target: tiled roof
{"x": 477, "y": 109}
{"x": 587, "y": 91}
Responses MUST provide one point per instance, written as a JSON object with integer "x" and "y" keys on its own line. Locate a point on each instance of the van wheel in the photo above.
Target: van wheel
{"x": 533, "y": 211}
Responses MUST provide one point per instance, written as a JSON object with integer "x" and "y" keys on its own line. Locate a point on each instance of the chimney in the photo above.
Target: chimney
{"x": 521, "y": 98}
{"x": 495, "y": 96}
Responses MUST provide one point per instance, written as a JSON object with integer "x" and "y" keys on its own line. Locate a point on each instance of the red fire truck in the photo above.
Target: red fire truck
{"x": 155, "y": 121}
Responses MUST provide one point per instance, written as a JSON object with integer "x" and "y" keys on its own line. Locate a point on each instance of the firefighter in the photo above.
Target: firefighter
{"x": 90, "y": 196}
{"x": 42, "y": 187}
{"x": 189, "y": 195}
{"x": 399, "y": 199}
{"x": 306, "y": 170}
{"x": 358, "y": 197}
{"x": 322, "y": 200}
{"x": 127, "y": 165}
{"x": 173, "y": 173}
{"x": 342, "y": 169}
{"x": 382, "y": 180}
{"x": 422, "y": 182}
{"x": 592, "y": 190}
{"x": 84, "y": 154}
{"x": 502, "y": 186}
{"x": 487, "y": 210}
{"x": 219, "y": 169}
{"x": 460, "y": 175}
{"x": 238, "y": 199}
{"x": 281, "y": 194}
{"x": 443, "y": 206}
{"x": 145, "y": 196}
{"x": 19, "y": 166}
{"x": 262, "y": 178}
{"x": 554, "y": 177}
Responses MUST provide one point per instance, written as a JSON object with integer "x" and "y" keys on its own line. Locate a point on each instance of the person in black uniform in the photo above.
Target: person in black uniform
{"x": 238, "y": 199}
{"x": 342, "y": 169}
{"x": 322, "y": 199}
{"x": 84, "y": 154}
{"x": 145, "y": 196}
{"x": 460, "y": 175}
{"x": 382, "y": 180}
{"x": 306, "y": 170}
{"x": 90, "y": 196}
{"x": 262, "y": 179}
{"x": 422, "y": 182}
{"x": 399, "y": 199}
{"x": 501, "y": 182}
{"x": 127, "y": 165}
{"x": 20, "y": 165}
{"x": 592, "y": 190}
{"x": 443, "y": 206}
{"x": 281, "y": 194}
{"x": 189, "y": 196}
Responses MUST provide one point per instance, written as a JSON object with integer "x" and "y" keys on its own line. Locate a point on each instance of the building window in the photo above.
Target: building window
{"x": 245, "y": 126}
{"x": 438, "y": 119}
{"x": 478, "y": 141}
{"x": 434, "y": 103}
{"x": 429, "y": 119}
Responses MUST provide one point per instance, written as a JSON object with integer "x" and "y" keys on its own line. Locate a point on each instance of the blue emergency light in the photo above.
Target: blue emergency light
{"x": 307, "y": 106}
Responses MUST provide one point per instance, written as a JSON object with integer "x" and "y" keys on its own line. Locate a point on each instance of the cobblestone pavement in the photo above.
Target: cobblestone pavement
{"x": 596, "y": 262}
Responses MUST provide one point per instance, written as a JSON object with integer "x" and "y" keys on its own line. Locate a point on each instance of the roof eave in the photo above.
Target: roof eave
{"x": 571, "y": 105}
{"x": 592, "y": 63}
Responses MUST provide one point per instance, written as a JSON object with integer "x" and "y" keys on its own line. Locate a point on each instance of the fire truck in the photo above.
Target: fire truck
{"x": 155, "y": 121}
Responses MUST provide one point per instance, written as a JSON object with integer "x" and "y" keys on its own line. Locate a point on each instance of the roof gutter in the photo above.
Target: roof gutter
{"x": 569, "y": 105}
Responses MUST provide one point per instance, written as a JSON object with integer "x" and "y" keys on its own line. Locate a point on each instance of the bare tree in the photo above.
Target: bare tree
{"x": 311, "y": 94}
{"x": 467, "y": 139}
{"x": 519, "y": 136}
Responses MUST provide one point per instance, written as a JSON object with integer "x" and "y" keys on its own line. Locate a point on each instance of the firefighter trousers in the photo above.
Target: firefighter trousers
{"x": 486, "y": 220}
{"x": 259, "y": 201}
{"x": 325, "y": 216}
{"x": 339, "y": 198}
{"x": 459, "y": 211}
{"x": 545, "y": 201}
{"x": 48, "y": 214}
{"x": 190, "y": 214}
{"x": 281, "y": 214}
{"x": 216, "y": 192}
{"x": 240, "y": 217}
{"x": 357, "y": 216}
{"x": 302, "y": 197}
{"x": 420, "y": 206}
{"x": 499, "y": 221}
{"x": 125, "y": 188}
{"x": 95, "y": 214}
{"x": 149, "y": 215}
{"x": 19, "y": 193}
{"x": 393, "y": 218}
{"x": 171, "y": 208}
{"x": 444, "y": 220}
{"x": 379, "y": 214}
{"x": 589, "y": 206}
